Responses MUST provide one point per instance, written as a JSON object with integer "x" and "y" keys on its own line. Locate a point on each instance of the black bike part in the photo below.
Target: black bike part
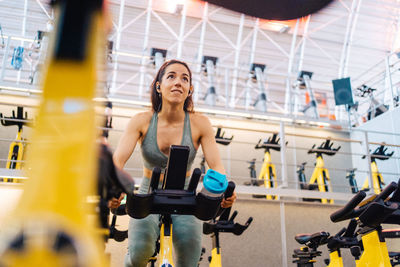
{"x": 120, "y": 210}
{"x": 225, "y": 227}
{"x": 312, "y": 240}
{"x": 20, "y": 120}
{"x": 116, "y": 234}
{"x": 224, "y": 213}
{"x": 386, "y": 192}
{"x": 346, "y": 212}
{"x": 324, "y": 148}
{"x": 220, "y": 139}
{"x": 376, "y": 213}
{"x": 194, "y": 181}
{"x": 391, "y": 233}
{"x": 172, "y": 202}
{"x": 176, "y": 167}
{"x": 351, "y": 228}
{"x": 155, "y": 179}
{"x": 74, "y": 26}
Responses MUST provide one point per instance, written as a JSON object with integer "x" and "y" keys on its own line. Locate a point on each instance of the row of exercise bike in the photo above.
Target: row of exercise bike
{"x": 320, "y": 179}
{"x": 363, "y": 236}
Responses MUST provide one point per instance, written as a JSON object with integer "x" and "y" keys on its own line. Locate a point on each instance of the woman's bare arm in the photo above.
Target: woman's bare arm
{"x": 209, "y": 146}
{"x": 211, "y": 153}
{"x": 129, "y": 139}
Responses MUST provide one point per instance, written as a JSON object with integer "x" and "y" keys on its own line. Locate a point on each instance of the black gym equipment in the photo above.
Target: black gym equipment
{"x": 274, "y": 9}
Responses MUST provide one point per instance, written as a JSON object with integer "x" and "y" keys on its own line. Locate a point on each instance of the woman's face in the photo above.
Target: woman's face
{"x": 175, "y": 85}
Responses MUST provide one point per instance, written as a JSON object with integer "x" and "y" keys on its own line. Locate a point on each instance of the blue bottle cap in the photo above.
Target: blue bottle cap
{"x": 215, "y": 182}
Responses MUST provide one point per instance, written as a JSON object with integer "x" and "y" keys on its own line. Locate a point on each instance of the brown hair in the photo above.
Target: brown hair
{"x": 156, "y": 100}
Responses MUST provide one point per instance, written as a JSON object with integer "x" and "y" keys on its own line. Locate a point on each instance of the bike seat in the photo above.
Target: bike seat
{"x": 302, "y": 238}
{"x": 394, "y": 254}
{"x": 314, "y": 240}
{"x": 391, "y": 233}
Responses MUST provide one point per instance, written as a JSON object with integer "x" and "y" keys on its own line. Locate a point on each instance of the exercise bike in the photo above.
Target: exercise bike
{"x": 350, "y": 175}
{"x": 304, "y": 256}
{"x": 377, "y": 179}
{"x": 320, "y": 177}
{"x": 17, "y": 147}
{"x": 370, "y": 214}
{"x": 345, "y": 238}
{"x": 172, "y": 198}
{"x": 222, "y": 223}
{"x": 49, "y": 226}
{"x": 268, "y": 172}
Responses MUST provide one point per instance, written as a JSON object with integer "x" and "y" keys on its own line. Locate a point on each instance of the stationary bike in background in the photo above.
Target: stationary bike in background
{"x": 320, "y": 178}
{"x": 17, "y": 147}
{"x": 352, "y": 180}
{"x": 375, "y": 108}
{"x": 220, "y": 139}
{"x": 370, "y": 214}
{"x": 378, "y": 154}
{"x": 268, "y": 173}
{"x": 107, "y": 189}
{"x": 305, "y": 256}
{"x": 222, "y": 223}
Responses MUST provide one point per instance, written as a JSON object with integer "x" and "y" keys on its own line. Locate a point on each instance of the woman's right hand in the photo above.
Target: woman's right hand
{"x": 115, "y": 202}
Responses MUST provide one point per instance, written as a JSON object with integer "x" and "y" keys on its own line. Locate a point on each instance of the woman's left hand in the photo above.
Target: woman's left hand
{"x": 228, "y": 202}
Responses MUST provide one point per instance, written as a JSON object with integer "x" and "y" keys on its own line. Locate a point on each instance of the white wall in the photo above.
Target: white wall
{"x": 384, "y": 128}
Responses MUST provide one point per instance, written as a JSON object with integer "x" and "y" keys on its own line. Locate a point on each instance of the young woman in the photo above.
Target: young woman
{"x": 171, "y": 121}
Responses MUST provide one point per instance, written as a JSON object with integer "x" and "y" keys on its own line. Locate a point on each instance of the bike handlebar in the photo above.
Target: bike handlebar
{"x": 229, "y": 190}
{"x": 386, "y": 192}
{"x": 346, "y": 212}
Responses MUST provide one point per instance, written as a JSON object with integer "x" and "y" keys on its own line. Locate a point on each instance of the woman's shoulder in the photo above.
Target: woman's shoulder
{"x": 141, "y": 120}
{"x": 144, "y": 115}
{"x": 199, "y": 120}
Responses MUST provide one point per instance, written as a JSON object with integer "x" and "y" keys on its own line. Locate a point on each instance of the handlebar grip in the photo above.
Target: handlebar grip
{"x": 194, "y": 181}
{"x": 340, "y": 215}
{"x": 233, "y": 216}
{"x": 229, "y": 190}
{"x": 386, "y": 192}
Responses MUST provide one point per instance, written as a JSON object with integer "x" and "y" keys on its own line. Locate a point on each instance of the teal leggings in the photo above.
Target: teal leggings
{"x": 143, "y": 233}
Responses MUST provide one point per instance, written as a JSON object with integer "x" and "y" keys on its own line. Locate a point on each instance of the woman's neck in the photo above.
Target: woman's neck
{"x": 172, "y": 114}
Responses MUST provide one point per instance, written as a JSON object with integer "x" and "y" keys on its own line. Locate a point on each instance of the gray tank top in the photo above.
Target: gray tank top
{"x": 151, "y": 153}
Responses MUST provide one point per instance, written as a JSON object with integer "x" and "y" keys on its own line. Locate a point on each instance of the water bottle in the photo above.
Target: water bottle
{"x": 214, "y": 183}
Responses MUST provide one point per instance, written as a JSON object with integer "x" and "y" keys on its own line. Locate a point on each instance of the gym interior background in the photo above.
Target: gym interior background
{"x": 253, "y": 78}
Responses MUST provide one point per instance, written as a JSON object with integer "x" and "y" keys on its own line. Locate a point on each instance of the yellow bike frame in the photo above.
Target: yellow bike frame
{"x": 377, "y": 179}
{"x": 216, "y": 257}
{"x": 62, "y": 157}
{"x": 165, "y": 256}
{"x": 15, "y": 155}
{"x": 268, "y": 173}
{"x": 375, "y": 252}
{"x": 335, "y": 259}
{"x": 321, "y": 176}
